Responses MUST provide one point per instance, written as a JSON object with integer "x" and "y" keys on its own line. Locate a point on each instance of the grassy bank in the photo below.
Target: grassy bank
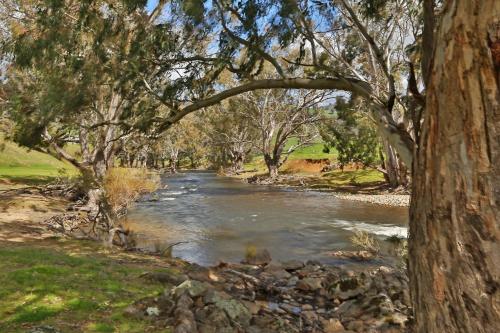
{"x": 304, "y": 166}
{"x": 19, "y": 165}
{"x": 76, "y": 286}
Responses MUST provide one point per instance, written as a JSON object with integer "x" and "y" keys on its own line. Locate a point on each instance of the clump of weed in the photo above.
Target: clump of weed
{"x": 124, "y": 186}
{"x": 364, "y": 241}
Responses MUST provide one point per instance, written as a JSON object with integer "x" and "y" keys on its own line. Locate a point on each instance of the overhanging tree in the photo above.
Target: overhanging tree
{"x": 453, "y": 146}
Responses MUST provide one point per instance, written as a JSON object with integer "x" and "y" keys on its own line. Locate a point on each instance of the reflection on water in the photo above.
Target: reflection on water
{"x": 219, "y": 217}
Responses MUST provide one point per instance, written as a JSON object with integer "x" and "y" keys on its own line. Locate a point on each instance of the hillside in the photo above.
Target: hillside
{"x": 20, "y": 165}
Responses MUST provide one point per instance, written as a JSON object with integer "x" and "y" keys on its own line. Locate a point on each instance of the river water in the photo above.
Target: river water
{"x": 219, "y": 218}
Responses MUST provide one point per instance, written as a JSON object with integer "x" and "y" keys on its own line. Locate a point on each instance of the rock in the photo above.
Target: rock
{"x": 235, "y": 310}
{"x": 294, "y": 310}
{"x": 309, "y": 284}
{"x": 44, "y": 329}
{"x": 213, "y": 296}
{"x": 332, "y": 326}
{"x": 165, "y": 278}
{"x": 277, "y": 272}
{"x": 292, "y": 265}
{"x": 348, "y": 309}
{"x": 397, "y": 319}
{"x": 207, "y": 328}
{"x": 133, "y": 312}
{"x": 192, "y": 287}
{"x": 309, "y": 317}
{"x": 204, "y": 274}
{"x": 184, "y": 302}
{"x": 356, "y": 325}
{"x": 292, "y": 281}
{"x": 353, "y": 255}
{"x": 260, "y": 257}
{"x": 253, "y": 307}
{"x": 306, "y": 307}
{"x": 153, "y": 311}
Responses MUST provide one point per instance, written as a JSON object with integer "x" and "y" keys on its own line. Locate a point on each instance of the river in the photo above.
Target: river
{"x": 219, "y": 218}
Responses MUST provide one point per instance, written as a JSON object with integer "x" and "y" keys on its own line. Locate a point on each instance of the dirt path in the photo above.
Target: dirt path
{"x": 22, "y": 214}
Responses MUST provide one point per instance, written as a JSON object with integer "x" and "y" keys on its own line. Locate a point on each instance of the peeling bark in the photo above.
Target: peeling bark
{"x": 454, "y": 226}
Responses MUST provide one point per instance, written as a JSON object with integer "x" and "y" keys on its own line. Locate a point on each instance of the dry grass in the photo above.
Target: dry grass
{"x": 124, "y": 186}
{"x": 303, "y": 166}
{"x": 364, "y": 241}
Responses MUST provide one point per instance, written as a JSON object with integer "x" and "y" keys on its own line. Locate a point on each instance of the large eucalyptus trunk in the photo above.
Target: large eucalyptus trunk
{"x": 454, "y": 230}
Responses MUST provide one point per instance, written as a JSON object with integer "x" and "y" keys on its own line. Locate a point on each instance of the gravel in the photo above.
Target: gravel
{"x": 395, "y": 200}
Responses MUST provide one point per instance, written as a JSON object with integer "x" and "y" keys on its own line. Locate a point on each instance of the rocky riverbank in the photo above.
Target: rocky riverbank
{"x": 279, "y": 297}
{"x": 371, "y": 193}
{"x": 395, "y": 200}
{"x": 260, "y": 296}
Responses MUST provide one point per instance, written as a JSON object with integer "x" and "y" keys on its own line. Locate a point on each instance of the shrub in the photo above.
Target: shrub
{"x": 399, "y": 248}
{"x": 364, "y": 241}
{"x": 123, "y": 187}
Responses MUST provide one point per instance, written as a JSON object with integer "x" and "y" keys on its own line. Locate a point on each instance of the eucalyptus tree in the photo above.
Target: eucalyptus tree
{"x": 450, "y": 136}
{"x": 280, "y": 116}
{"x": 231, "y": 134}
{"x": 80, "y": 70}
{"x": 352, "y": 135}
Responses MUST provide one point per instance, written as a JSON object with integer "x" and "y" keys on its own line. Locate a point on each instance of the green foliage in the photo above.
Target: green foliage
{"x": 352, "y": 135}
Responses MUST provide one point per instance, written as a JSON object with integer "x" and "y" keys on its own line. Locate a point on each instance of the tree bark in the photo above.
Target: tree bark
{"x": 454, "y": 261}
{"x": 391, "y": 165}
{"x": 272, "y": 165}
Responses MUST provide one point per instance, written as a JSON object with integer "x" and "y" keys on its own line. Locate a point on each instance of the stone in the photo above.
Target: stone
{"x": 184, "y": 302}
{"x": 292, "y": 265}
{"x": 133, "y": 312}
{"x": 207, "y": 329}
{"x": 348, "y": 308}
{"x": 165, "y": 278}
{"x": 332, "y": 326}
{"x": 306, "y": 307}
{"x": 277, "y": 272}
{"x": 309, "y": 284}
{"x": 292, "y": 281}
{"x": 294, "y": 310}
{"x": 356, "y": 325}
{"x": 397, "y": 319}
{"x": 235, "y": 310}
{"x": 309, "y": 316}
{"x": 260, "y": 257}
{"x": 153, "y": 311}
{"x": 44, "y": 329}
{"x": 213, "y": 296}
{"x": 192, "y": 287}
{"x": 253, "y": 307}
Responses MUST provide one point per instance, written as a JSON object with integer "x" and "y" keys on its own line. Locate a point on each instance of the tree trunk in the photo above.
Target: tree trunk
{"x": 454, "y": 262}
{"x": 238, "y": 161}
{"x": 272, "y": 166}
{"x": 394, "y": 175}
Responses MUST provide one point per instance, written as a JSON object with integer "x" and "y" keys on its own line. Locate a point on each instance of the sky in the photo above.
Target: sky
{"x": 151, "y": 5}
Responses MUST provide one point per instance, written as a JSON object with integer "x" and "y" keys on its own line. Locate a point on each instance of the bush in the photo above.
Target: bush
{"x": 123, "y": 187}
{"x": 364, "y": 241}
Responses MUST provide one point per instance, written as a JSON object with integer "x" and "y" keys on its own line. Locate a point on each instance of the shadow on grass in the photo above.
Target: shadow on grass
{"x": 32, "y": 180}
{"x": 66, "y": 289}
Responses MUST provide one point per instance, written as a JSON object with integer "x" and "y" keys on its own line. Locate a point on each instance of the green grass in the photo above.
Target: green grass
{"x": 313, "y": 151}
{"x": 351, "y": 177}
{"x": 20, "y": 165}
{"x": 336, "y": 179}
{"x": 73, "y": 292}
